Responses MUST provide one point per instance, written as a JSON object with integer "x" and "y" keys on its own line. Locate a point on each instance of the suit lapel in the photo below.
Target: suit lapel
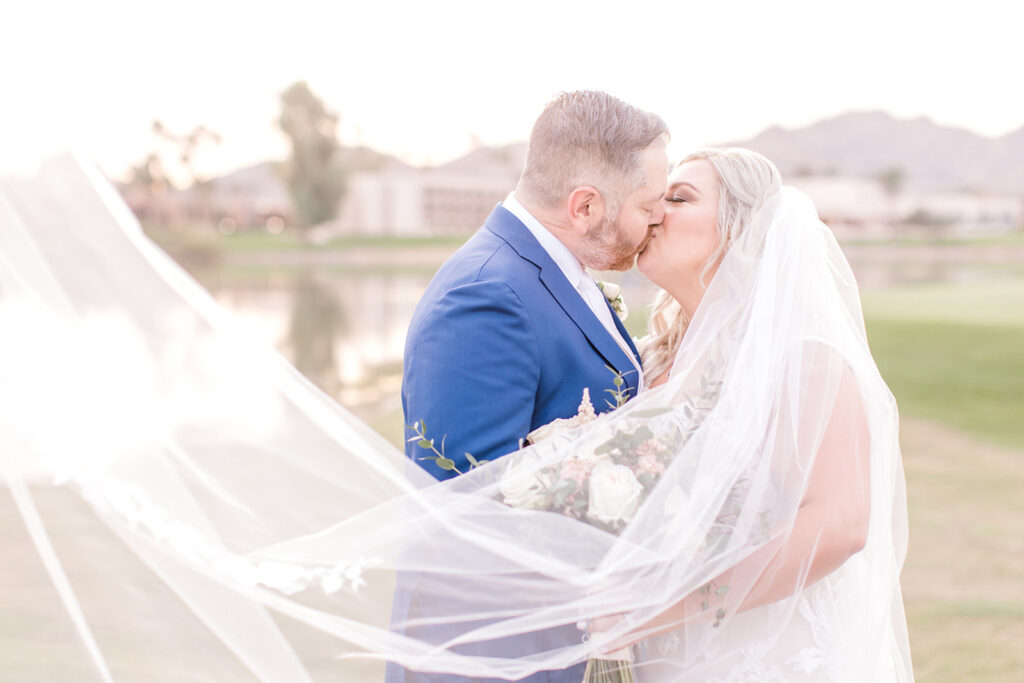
{"x": 625, "y": 335}
{"x": 506, "y": 226}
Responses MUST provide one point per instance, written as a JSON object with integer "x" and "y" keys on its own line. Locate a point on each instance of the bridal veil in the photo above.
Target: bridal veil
{"x": 182, "y": 504}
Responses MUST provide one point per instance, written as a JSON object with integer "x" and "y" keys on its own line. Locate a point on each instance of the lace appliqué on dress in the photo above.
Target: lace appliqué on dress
{"x": 752, "y": 669}
{"x": 815, "y": 607}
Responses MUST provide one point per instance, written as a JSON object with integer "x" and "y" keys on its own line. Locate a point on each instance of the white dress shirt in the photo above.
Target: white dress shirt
{"x": 577, "y": 276}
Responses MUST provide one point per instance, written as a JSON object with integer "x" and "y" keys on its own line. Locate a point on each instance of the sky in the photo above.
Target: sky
{"x": 422, "y": 80}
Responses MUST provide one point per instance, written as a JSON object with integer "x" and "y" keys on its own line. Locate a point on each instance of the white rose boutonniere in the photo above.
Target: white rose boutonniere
{"x": 613, "y": 293}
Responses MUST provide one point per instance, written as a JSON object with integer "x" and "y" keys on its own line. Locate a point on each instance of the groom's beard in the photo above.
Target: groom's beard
{"x": 608, "y": 247}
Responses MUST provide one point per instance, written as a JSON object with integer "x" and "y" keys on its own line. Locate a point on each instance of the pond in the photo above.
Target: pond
{"x": 344, "y": 327}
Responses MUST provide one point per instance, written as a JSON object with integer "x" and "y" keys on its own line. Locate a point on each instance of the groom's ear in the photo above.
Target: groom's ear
{"x": 586, "y": 208}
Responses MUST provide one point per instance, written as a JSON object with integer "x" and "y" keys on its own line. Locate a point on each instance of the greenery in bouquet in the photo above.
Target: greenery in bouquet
{"x": 607, "y": 485}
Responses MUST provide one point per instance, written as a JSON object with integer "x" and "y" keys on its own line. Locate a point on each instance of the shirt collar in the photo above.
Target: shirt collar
{"x": 559, "y": 253}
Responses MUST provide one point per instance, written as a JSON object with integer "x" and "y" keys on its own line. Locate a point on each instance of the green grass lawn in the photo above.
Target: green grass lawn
{"x": 970, "y": 377}
{"x": 997, "y": 302}
{"x": 954, "y": 354}
{"x": 961, "y": 582}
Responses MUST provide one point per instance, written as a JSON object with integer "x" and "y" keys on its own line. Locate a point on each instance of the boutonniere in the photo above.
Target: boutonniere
{"x": 613, "y": 293}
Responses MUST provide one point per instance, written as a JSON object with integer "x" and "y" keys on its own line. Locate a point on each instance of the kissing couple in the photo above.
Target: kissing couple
{"x": 754, "y": 294}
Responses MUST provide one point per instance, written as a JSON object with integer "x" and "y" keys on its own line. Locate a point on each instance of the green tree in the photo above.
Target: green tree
{"x": 892, "y": 180}
{"x": 313, "y": 172}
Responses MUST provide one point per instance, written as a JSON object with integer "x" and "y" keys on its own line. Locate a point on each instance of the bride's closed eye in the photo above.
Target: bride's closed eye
{"x": 678, "y": 200}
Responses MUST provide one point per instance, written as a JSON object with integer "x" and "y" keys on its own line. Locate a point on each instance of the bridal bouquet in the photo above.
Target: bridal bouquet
{"x": 604, "y": 486}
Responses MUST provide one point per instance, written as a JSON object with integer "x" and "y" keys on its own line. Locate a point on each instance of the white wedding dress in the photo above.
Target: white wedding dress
{"x": 253, "y": 515}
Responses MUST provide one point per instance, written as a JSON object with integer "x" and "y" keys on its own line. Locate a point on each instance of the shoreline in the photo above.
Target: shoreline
{"x": 432, "y": 256}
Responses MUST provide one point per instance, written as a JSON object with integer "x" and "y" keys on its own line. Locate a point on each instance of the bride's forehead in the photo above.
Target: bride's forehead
{"x": 698, "y": 172}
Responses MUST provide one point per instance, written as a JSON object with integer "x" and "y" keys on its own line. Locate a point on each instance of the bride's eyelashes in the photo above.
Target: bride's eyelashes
{"x": 678, "y": 200}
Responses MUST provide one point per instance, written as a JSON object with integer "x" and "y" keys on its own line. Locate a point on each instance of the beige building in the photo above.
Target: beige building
{"x": 963, "y": 214}
{"x": 861, "y": 207}
{"x": 451, "y": 199}
{"x": 852, "y": 207}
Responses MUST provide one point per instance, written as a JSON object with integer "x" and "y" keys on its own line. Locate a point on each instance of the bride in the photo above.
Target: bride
{"x": 750, "y": 524}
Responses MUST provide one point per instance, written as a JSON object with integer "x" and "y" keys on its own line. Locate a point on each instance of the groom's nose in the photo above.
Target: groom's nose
{"x": 658, "y": 215}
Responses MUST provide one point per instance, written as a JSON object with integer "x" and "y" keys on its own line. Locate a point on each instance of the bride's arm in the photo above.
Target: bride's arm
{"x": 830, "y": 525}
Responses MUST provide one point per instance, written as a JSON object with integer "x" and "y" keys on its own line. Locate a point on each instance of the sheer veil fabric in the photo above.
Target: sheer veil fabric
{"x": 189, "y": 500}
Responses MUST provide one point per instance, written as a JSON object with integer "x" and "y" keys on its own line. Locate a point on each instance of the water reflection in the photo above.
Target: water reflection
{"x": 317, "y": 321}
{"x": 345, "y": 329}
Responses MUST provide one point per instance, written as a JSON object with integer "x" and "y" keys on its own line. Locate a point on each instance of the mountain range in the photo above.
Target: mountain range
{"x": 928, "y": 156}
{"x": 869, "y": 144}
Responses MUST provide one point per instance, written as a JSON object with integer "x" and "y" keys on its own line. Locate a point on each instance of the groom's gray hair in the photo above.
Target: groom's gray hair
{"x": 588, "y": 137}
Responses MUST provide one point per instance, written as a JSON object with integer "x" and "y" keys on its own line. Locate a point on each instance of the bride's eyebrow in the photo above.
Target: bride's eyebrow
{"x": 680, "y": 183}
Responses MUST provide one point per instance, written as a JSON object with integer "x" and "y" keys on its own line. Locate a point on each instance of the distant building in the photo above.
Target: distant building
{"x": 451, "y": 199}
{"x": 852, "y": 207}
{"x": 385, "y": 196}
{"x": 963, "y": 214}
{"x": 861, "y": 207}
{"x": 251, "y": 197}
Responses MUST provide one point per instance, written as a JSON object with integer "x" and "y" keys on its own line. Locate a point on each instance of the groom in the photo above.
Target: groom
{"x": 512, "y": 328}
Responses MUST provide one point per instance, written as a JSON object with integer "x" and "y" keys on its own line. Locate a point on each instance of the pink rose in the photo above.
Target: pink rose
{"x": 651, "y": 447}
{"x": 649, "y": 463}
{"x": 576, "y": 468}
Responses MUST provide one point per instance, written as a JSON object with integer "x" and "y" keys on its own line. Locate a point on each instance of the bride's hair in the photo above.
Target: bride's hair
{"x": 745, "y": 180}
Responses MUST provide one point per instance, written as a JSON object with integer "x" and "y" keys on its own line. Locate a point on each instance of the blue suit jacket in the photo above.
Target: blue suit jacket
{"x": 499, "y": 345}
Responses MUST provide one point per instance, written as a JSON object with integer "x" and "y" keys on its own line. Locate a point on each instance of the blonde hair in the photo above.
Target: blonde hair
{"x": 745, "y": 180}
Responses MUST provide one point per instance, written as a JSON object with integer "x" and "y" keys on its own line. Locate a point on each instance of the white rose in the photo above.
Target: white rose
{"x": 550, "y": 428}
{"x": 611, "y": 290}
{"x": 522, "y": 485}
{"x": 614, "y": 493}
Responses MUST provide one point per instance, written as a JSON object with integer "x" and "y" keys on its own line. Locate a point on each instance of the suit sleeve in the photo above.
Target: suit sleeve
{"x": 471, "y": 373}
